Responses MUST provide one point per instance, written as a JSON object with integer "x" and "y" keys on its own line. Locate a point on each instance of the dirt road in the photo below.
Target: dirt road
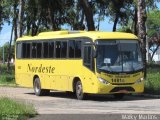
{"x": 61, "y": 103}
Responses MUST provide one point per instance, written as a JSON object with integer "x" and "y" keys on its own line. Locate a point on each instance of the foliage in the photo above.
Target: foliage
{"x": 4, "y": 12}
{"x": 42, "y": 14}
{"x": 5, "y": 77}
{"x": 125, "y": 29}
{"x": 11, "y": 109}
{"x": 152, "y": 83}
{"x": 39, "y": 15}
{"x": 153, "y": 25}
{"x": 6, "y": 46}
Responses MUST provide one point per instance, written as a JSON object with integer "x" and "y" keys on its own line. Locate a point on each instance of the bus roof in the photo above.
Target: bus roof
{"x": 73, "y": 34}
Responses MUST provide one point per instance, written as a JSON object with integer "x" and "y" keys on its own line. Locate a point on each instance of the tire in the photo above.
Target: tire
{"x": 37, "y": 88}
{"x": 119, "y": 96}
{"x": 79, "y": 91}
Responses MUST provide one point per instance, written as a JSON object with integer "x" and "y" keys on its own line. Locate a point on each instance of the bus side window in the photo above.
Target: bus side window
{"x": 28, "y": 50}
{"x": 58, "y": 49}
{"x": 77, "y": 49}
{"x": 19, "y": 50}
{"x": 87, "y": 57}
{"x": 45, "y": 50}
{"x": 39, "y": 50}
{"x": 71, "y": 48}
{"x": 34, "y": 47}
{"x": 24, "y": 52}
{"x": 64, "y": 49}
{"x": 51, "y": 49}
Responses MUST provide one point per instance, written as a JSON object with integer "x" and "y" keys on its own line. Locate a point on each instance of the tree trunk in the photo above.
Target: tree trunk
{"x": 115, "y": 23}
{"x": 34, "y": 28}
{"x": 15, "y": 20}
{"x": 154, "y": 52}
{"x": 142, "y": 29}
{"x": 0, "y": 15}
{"x": 82, "y": 27}
{"x": 135, "y": 22}
{"x": 99, "y": 19}
{"x": 88, "y": 13}
{"x": 20, "y": 17}
{"x": 28, "y": 27}
{"x": 9, "y": 51}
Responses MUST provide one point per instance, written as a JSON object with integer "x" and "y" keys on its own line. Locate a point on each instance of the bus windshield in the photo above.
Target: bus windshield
{"x": 120, "y": 56}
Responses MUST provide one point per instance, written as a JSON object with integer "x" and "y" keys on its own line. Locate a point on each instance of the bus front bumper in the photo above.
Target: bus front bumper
{"x": 110, "y": 89}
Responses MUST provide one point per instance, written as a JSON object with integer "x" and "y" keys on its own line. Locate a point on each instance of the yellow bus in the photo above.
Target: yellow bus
{"x": 81, "y": 62}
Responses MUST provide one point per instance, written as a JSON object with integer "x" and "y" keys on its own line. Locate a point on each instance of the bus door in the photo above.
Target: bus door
{"x": 88, "y": 57}
{"x": 88, "y": 63}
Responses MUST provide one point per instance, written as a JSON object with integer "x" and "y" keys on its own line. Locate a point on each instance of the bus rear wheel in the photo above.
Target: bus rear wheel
{"x": 79, "y": 91}
{"x": 37, "y": 88}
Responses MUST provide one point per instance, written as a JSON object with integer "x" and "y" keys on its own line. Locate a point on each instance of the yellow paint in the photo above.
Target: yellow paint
{"x": 59, "y": 74}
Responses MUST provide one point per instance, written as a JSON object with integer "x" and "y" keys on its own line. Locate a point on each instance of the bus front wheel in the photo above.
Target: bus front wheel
{"x": 37, "y": 88}
{"x": 79, "y": 91}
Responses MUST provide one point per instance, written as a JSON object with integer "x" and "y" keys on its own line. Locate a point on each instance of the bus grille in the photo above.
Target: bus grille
{"x": 129, "y": 89}
{"x": 122, "y": 83}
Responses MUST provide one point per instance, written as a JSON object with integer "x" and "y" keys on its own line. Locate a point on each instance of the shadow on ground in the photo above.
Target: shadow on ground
{"x": 100, "y": 98}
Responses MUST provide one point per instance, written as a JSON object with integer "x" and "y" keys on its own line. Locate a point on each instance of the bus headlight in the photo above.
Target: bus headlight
{"x": 102, "y": 80}
{"x": 139, "y": 81}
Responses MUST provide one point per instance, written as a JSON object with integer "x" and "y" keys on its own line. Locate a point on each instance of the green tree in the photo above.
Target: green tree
{"x": 142, "y": 28}
{"x": 20, "y": 17}
{"x": 6, "y": 46}
{"x": 153, "y": 30}
{"x": 4, "y": 12}
{"x": 46, "y": 14}
{"x": 119, "y": 11}
{"x": 86, "y": 6}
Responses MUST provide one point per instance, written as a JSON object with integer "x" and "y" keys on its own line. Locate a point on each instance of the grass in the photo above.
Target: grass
{"x": 12, "y": 110}
{"x": 7, "y": 78}
{"x": 152, "y": 83}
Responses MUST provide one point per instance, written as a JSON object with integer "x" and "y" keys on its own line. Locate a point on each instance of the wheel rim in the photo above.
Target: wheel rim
{"x": 37, "y": 87}
{"x": 79, "y": 90}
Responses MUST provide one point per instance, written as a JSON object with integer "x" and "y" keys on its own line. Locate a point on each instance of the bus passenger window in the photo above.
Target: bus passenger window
{"x": 58, "y": 49}
{"x": 71, "y": 48}
{"x": 28, "y": 50}
{"x": 63, "y": 49}
{"x": 45, "y": 49}
{"x": 24, "y": 50}
{"x": 39, "y": 50}
{"x": 19, "y": 50}
{"x": 51, "y": 49}
{"x": 87, "y": 56}
{"x": 78, "y": 49}
{"x": 34, "y": 47}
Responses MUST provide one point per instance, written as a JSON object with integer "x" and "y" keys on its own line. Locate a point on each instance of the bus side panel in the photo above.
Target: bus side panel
{"x": 88, "y": 81}
{"x": 22, "y": 77}
{"x": 61, "y": 78}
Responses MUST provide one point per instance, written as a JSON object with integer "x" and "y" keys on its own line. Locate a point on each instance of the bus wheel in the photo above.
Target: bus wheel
{"x": 37, "y": 88}
{"x": 119, "y": 96}
{"x": 79, "y": 91}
